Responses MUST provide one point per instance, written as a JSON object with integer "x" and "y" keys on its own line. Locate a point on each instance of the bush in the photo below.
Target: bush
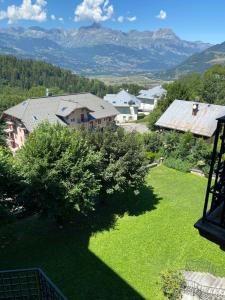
{"x": 5, "y": 216}
{"x": 178, "y": 164}
{"x": 152, "y": 156}
{"x": 153, "y": 141}
{"x": 172, "y": 282}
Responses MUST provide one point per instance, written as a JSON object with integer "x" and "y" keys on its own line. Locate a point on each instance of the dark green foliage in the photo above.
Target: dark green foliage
{"x": 60, "y": 171}
{"x": 152, "y": 156}
{"x": 9, "y": 187}
{"x": 172, "y": 282}
{"x": 66, "y": 172}
{"x": 178, "y": 164}
{"x": 123, "y": 164}
{"x": 181, "y": 151}
{"x": 152, "y": 141}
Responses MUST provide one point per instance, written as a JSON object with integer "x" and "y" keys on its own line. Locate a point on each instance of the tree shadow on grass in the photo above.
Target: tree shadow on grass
{"x": 121, "y": 204}
{"x": 64, "y": 254}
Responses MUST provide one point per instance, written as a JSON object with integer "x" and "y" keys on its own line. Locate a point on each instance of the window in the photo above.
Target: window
{"x": 99, "y": 122}
{"x": 72, "y": 120}
{"x": 82, "y": 117}
{"x": 110, "y": 119}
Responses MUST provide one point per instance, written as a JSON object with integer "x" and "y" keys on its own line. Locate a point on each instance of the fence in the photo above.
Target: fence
{"x": 28, "y": 284}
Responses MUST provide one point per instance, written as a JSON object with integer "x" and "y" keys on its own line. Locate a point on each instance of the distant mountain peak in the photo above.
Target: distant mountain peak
{"x": 95, "y": 49}
{"x": 164, "y": 33}
{"x": 94, "y": 25}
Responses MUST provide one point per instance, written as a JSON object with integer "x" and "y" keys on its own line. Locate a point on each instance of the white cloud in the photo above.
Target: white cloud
{"x": 53, "y": 17}
{"x": 26, "y": 11}
{"x": 132, "y": 19}
{"x": 120, "y": 19}
{"x": 61, "y": 19}
{"x": 162, "y": 15}
{"x": 94, "y": 10}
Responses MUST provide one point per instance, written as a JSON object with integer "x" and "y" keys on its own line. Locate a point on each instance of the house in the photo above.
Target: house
{"x": 198, "y": 118}
{"x": 68, "y": 110}
{"x": 126, "y": 104}
{"x": 149, "y": 98}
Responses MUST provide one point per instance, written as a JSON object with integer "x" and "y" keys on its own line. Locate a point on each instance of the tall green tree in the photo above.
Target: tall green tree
{"x": 60, "y": 172}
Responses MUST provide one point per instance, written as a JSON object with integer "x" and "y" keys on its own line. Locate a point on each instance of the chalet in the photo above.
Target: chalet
{"x": 149, "y": 98}
{"x": 126, "y": 104}
{"x": 68, "y": 110}
{"x": 198, "y": 118}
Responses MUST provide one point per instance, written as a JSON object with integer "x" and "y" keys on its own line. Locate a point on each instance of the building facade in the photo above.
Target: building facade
{"x": 126, "y": 104}
{"x": 149, "y": 98}
{"x": 75, "y": 111}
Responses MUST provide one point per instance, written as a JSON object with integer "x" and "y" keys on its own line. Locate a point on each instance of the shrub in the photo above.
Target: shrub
{"x": 178, "y": 164}
{"x": 152, "y": 156}
{"x": 5, "y": 216}
{"x": 153, "y": 141}
{"x": 172, "y": 282}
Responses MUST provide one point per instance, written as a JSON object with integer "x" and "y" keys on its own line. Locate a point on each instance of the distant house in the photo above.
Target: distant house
{"x": 149, "y": 98}
{"x": 126, "y": 104}
{"x": 198, "y": 118}
{"x": 69, "y": 110}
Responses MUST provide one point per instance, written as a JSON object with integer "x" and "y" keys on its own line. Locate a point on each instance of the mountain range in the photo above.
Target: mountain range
{"x": 198, "y": 62}
{"x": 97, "y": 50}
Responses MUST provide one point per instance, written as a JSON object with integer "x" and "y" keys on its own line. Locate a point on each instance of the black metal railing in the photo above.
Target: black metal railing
{"x": 28, "y": 284}
{"x": 202, "y": 291}
{"x": 214, "y": 207}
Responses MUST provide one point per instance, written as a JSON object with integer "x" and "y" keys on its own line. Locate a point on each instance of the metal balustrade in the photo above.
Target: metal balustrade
{"x": 203, "y": 292}
{"x": 28, "y": 284}
{"x": 212, "y": 223}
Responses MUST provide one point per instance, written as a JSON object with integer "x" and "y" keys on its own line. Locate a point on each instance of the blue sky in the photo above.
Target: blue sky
{"x": 190, "y": 19}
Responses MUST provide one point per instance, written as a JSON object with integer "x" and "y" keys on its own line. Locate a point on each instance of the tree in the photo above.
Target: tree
{"x": 9, "y": 179}
{"x": 123, "y": 164}
{"x": 60, "y": 172}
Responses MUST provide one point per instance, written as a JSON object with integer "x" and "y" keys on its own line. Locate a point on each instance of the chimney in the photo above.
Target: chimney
{"x": 47, "y": 92}
{"x": 195, "y": 109}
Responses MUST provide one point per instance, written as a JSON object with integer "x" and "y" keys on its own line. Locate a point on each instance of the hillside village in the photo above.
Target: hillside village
{"x": 112, "y": 151}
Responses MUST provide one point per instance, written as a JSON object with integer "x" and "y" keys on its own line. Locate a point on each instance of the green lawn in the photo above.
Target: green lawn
{"x": 120, "y": 258}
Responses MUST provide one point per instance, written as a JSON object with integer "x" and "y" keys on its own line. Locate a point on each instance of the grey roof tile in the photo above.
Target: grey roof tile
{"x": 34, "y": 111}
{"x": 122, "y": 99}
{"x": 179, "y": 116}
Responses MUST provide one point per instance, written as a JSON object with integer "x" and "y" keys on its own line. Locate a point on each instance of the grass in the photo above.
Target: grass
{"x": 141, "y": 80}
{"x": 120, "y": 257}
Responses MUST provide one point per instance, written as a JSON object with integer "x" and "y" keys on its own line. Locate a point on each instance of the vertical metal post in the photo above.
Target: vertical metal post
{"x": 211, "y": 169}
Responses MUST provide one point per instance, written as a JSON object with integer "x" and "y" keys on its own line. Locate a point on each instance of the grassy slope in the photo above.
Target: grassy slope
{"x": 154, "y": 236}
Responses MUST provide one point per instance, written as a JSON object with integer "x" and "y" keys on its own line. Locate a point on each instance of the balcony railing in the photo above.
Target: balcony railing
{"x": 28, "y": 284}
{"x": 212, "y": 223}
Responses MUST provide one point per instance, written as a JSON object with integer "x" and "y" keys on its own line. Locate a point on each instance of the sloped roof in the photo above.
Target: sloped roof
{"x": 122, "y": 99}
{"x": 153, "y": 93}
{"x": 179, "y": 116}
{"x": 34, "y": 111}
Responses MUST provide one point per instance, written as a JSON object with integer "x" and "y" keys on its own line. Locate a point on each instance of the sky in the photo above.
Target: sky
{"x": 190, "y": 19}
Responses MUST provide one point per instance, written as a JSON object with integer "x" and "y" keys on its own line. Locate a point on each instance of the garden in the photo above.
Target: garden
{"x": 123, "y": 248}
